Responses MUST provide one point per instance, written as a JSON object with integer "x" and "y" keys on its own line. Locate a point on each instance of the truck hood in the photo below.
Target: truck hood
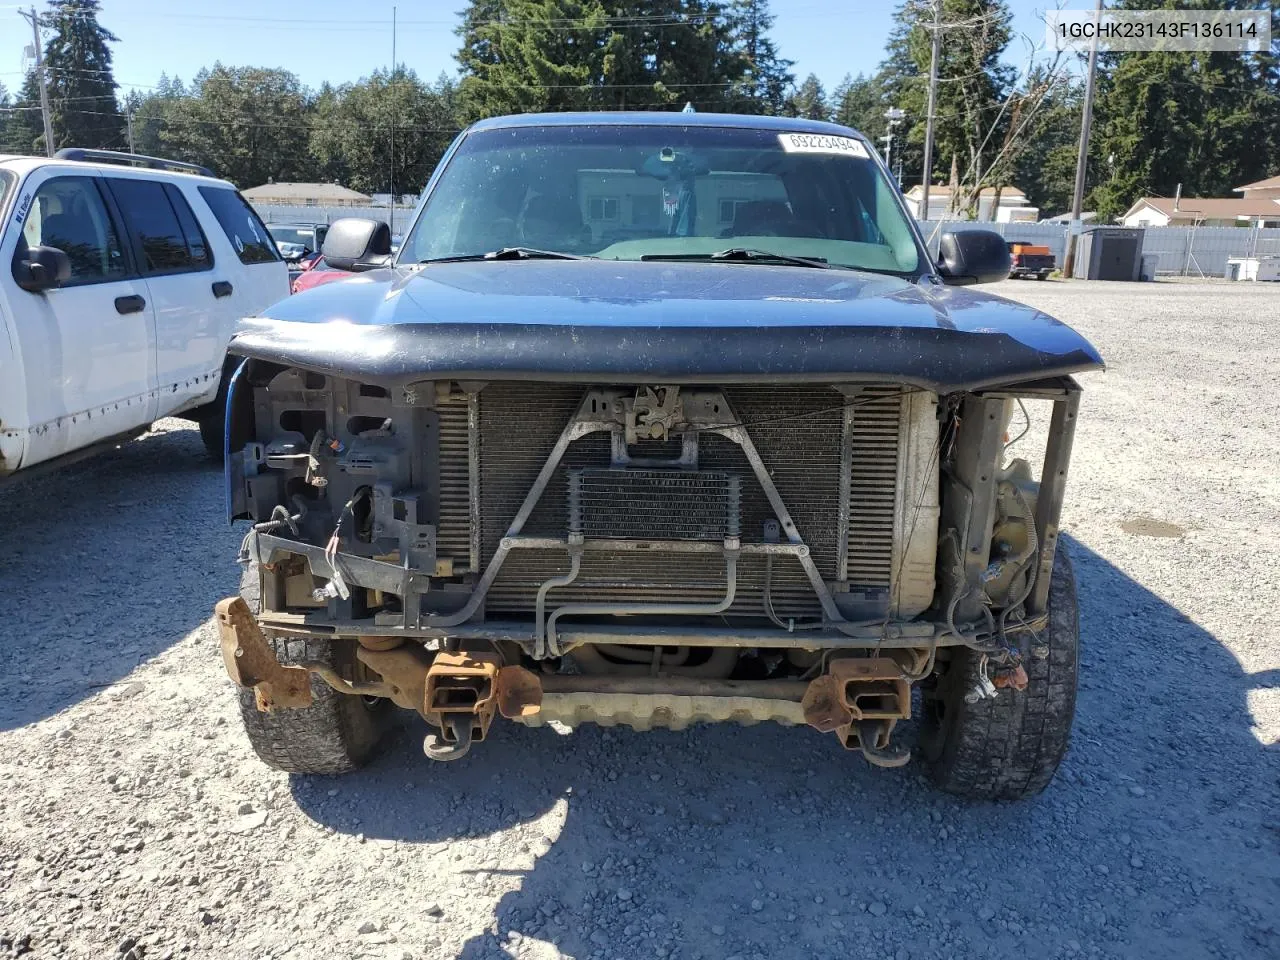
{"x": 604, "y": 320}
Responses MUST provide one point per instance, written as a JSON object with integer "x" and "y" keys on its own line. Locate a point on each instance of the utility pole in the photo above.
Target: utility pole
{"x": 894, "y": 115}
{"x": 1086, "y": 120}
{"x": 44, "y": 86}
{"x": 922, "y": 212}
{"x": 128, "y": 117}
{"x": 391, "y": 220}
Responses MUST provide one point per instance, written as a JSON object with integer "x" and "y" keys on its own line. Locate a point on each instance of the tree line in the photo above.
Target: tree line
{"x": 1007, "y": 113}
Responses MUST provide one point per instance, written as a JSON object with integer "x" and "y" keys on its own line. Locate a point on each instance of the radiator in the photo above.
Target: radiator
{"x": 844, "y": 473}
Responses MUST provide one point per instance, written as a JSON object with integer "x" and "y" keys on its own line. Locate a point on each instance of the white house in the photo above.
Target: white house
{"x": 1202, "y": 211}
{"x": 1268, "y": 189}
{"x": 1011, "y": 199}
{"x": 1085, "y": 217}
{"x": 306, "y": 194}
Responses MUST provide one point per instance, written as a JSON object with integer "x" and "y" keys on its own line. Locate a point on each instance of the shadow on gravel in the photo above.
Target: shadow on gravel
{"x": 105, "y": 564}
{"x": 1153, "y": 840}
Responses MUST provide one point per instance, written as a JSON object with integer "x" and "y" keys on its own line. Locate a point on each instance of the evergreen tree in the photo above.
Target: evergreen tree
{"x": 351, "y": 136}
{"x": 859, "y": 102}
{"x": 157, "y": 118}
{"x": 24, "y": 132}
{"x": 681, "y": 51}
{"x": 248, "y": 124}
{"x": 520, "y": 56}
{"x": 766, "y": 75}
{"x": 1202, "y": 120}
{"x": 82, "y": 89}
{"x": 809, "y": 101}
{"x": 6, "y": 113}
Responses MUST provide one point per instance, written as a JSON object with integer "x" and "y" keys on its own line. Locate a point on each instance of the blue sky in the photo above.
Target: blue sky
{"x": 339, "y": 41}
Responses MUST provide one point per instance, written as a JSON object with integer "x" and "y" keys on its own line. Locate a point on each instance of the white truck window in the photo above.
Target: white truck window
{"x": 68, "y": 213}
{"x": 246, "y": 232}
{"x": 150, "y": 212}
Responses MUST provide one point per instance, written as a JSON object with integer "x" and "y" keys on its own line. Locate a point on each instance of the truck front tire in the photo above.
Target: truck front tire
{"x": 338, "y": 733}
{"x": 213, "y": 427}
{"x": 1007, "y": 747}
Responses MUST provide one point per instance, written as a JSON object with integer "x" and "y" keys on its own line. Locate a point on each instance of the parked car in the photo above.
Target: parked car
{"x": 749, "y": 463}
{"x": 315, "y": 274}
{"x": 125, "y": 276}
{"x": 299, "y": 244}
{"x": 1030, "y": 260}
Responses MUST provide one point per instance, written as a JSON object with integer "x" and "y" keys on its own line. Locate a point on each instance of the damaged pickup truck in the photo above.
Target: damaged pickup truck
{"x": 656, "y": 420}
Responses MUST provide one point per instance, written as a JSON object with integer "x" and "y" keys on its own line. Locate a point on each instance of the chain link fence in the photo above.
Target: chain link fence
{"x": 306, "y": 213}
{"x": 1179, "y": 251}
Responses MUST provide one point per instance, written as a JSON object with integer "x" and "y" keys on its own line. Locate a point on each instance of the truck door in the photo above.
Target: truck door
{"x": 265, "y": 278}
{"x": 85, "y": 347}
{"x": 187, "y": 289}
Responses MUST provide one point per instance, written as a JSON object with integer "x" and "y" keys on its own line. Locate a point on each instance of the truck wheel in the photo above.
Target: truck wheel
{"x": 1007, "y": 747}
{"x": 212, "y": 417}
{"x": 338, "y": 733}
{"x": 213, "y": 426}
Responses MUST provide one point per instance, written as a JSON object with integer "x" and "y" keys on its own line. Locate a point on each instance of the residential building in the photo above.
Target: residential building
{"x": 940, "y": 204}
{"x": 1258, "y": 211}
{"x": 1064, "y": 218}
{"x": 306, "y": 194}
{"x": 1268, "y": 189}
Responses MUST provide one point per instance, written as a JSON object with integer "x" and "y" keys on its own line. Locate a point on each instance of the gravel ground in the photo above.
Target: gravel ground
{"x": 133, "y": 819}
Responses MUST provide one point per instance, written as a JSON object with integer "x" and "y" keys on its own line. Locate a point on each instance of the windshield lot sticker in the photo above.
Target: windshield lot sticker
{"x": 821, "y": 143}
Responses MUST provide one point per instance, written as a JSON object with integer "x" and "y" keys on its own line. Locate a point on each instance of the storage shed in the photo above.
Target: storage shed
{"x": 1109, "y": 253}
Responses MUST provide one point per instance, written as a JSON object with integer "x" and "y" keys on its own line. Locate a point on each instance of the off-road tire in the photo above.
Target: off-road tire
{"x": 338, "y": 733}
{"x": 212, "y": 417}
{"x": 1008, "y": 747}
{"x": 213, "y": 428}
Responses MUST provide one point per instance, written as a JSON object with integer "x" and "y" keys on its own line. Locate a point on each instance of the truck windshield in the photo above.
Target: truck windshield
{"x": 665, "y": 192}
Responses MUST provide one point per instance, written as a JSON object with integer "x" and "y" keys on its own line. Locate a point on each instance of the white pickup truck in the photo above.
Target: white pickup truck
{"x": 121, "y": 281}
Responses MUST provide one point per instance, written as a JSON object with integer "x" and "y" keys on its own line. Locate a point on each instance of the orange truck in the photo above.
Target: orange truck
{"x": 1030, "y": 260}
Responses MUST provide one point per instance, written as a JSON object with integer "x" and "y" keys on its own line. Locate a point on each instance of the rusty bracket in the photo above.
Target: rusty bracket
{"x": 404, "y": 673}
{"x": 251, "y": 663}
{"x": 1011, "y": 677}
{"x": 857, "y": 688}
{"x": 859, "y": 696}
{"x": 462, "y": 683}
{"x": 519, "y": 693}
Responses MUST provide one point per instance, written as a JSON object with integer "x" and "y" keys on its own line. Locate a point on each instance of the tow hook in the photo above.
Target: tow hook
{"x": 439, "y": 746}
{"x": 873, "y": 741}
{"x": 460, "y": 698}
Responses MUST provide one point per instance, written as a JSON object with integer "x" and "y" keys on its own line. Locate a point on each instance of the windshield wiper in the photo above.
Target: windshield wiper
{"x": 508, "y": 253}
{"x": 744, "y": 255}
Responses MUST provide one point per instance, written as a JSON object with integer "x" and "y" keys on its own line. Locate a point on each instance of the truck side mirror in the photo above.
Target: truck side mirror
{"x": 41, "y": 269}
{"x": 357, "y": 244}
{"x": 973, "y": 256}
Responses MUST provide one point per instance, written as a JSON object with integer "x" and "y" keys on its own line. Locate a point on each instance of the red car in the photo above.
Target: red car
{"x": 317, "y": 272}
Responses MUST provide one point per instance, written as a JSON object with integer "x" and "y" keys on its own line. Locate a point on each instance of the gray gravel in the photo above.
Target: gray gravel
{"x": 134, "y": 822}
